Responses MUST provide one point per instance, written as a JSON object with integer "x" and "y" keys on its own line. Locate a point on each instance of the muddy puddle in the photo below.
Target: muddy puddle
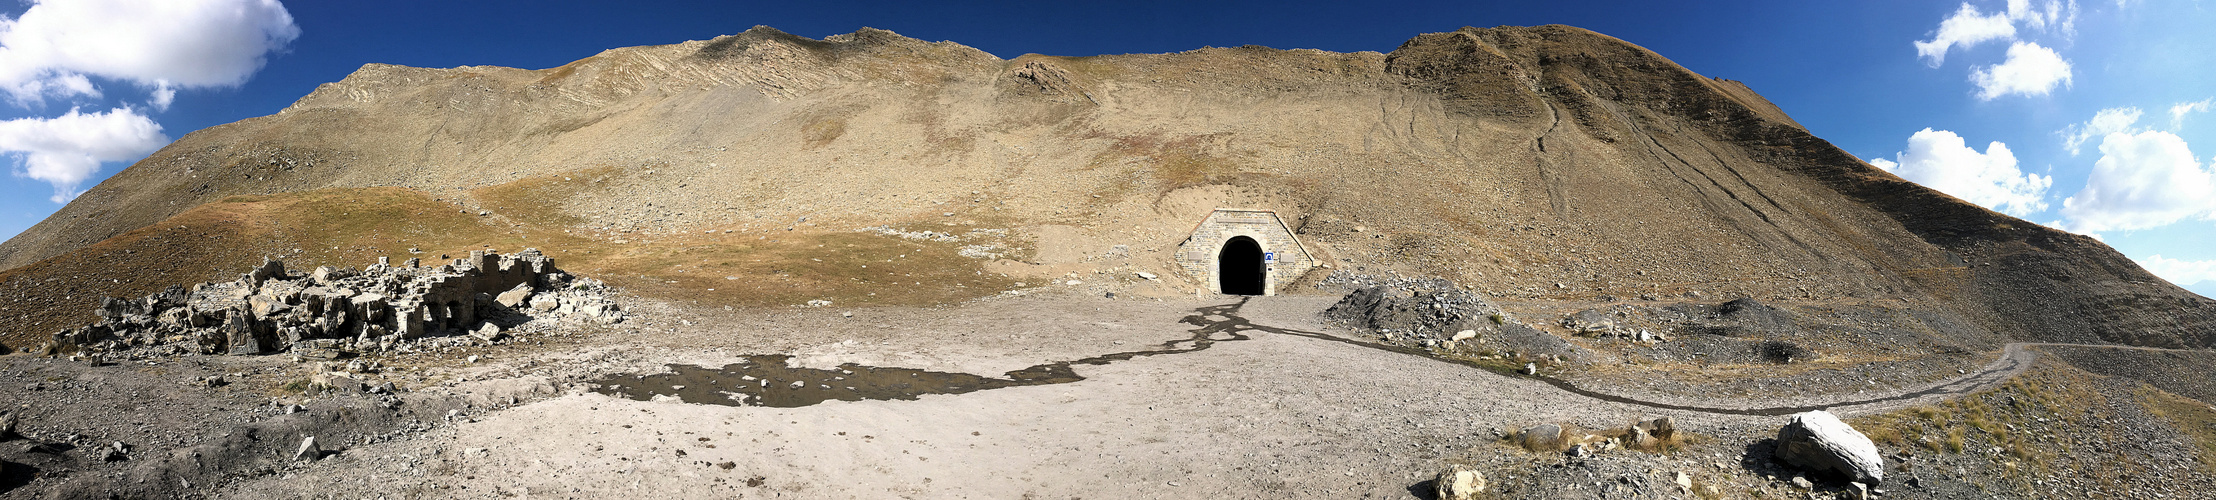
{"x": 767, "y": 380}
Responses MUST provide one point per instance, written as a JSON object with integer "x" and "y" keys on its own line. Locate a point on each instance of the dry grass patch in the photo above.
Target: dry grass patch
{"x": 2010, "y": 418}
{"x": 353, "y": 227}
{"x": 1609, "y": 439}
{"x": 2196, "y": 419}
{"x": 793, "y": 268}
{"x": 538, "y": 199}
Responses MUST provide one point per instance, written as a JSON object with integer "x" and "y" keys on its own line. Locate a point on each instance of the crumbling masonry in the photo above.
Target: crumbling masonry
{"x": 267, "y": 310}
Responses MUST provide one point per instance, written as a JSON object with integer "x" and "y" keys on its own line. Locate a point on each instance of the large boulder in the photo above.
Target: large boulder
{"x": 515, "y": 298}
{"x": 1542, "y": 437}
{"x": 1458, "y": 483}
{"x": 1819, "y": 442}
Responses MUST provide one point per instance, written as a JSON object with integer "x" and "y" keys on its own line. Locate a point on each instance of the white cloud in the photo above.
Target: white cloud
{"x": 2107, "y": 121}
{"x": 2178, "y": 111}
{"x": 1940, "y": 160}
{"x": 2143, "y": 180}
{"x": 2029, "y": 70}
{"x": 1967, "y": 27}
{"x": 168, "y": 44}
{"x": 2180, "y": 272}
{"x": 164, "y": 95}
{"x": 67, "y": 149}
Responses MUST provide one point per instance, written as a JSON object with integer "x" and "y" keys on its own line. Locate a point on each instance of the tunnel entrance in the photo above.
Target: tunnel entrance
{"x": 1241, "y": 266}
{"x": 1243, "y": 251}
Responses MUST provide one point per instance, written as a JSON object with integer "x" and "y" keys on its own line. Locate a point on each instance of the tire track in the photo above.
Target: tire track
{"x": 2014, "y": 359}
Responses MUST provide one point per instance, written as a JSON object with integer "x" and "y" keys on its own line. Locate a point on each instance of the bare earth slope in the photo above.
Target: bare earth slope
{"x": 1645, "y": 241}
{"x": 1543, "y": 163}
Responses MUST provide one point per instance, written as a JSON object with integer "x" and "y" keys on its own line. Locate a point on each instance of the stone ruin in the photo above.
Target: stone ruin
{"x": 330, "y": 309}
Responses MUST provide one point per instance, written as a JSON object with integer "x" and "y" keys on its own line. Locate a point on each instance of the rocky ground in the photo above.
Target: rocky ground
{"x": 1246, "y": 397}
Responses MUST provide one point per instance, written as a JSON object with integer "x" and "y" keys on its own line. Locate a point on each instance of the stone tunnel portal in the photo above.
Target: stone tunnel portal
{"x": 1240, "y": 251}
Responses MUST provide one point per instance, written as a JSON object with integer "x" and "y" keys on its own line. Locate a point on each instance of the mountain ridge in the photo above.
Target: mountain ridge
{"x": 1542, "y": 162}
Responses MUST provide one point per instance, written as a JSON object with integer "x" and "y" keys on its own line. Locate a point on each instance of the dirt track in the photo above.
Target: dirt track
{"x": 1278, "y": 412}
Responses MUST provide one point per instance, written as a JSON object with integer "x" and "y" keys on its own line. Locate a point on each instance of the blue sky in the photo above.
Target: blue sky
{"x": 1923, "y": 88}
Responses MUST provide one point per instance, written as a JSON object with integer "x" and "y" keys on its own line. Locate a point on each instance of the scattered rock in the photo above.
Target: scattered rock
{"x": 515, "y": 298}
{"x": 490, "y": 333}
{"x": 1803, "y": 483}
{"x": 1684, "y": 481}
{"x": 1464, "y": 335}
{"x": 1542, "y": 437}
{"x": 1662, "y": 428}
{"x": 113, "y": 452}
{"x": 1638, "y": 437}
{"x": 1458, "y": 483}
{"x": 267, "y": 310}
{"x": 1818, "y": 441}
{"x": 7, "y": 425}
{"x": 1531, "y": 368}
{"x": 308, "y": 450}
{"x": 1147, "y": 276}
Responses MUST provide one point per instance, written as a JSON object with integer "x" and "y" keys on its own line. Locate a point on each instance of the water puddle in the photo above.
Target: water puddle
{"x": 767, "y": 380}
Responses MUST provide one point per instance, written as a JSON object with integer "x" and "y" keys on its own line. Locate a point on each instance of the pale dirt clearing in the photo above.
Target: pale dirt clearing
{"x": 1272, "y": 415}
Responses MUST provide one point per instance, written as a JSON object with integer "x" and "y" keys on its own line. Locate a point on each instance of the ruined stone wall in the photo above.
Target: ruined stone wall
{"x": 270, "y": 310}
{"x": 1197, "y": 256}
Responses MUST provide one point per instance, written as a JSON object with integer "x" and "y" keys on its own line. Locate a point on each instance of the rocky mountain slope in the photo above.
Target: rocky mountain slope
{"x": 1532, "y": 163}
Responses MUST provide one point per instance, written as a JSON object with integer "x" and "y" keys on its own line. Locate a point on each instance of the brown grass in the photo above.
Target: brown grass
{"x": 2196, "y": 419}
{"x": 822, "y": 131}
{"x": 1173, "y": 162}
{"x": 1572, "y": 435}
{"x": 2001, "y": 417}
{"x": 353, "y": 227}
{"x": 538, "y": 199}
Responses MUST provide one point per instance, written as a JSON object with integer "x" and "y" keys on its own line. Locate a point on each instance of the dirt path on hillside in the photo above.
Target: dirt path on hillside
{"x": 1232, "y": 399}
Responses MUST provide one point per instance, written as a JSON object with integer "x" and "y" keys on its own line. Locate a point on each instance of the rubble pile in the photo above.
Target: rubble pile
{"x": 1439, "y": 316}
{"x": 268, "y": 310}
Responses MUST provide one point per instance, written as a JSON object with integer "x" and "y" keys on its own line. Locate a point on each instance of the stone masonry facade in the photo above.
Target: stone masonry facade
{"x": 1288, "y": 260}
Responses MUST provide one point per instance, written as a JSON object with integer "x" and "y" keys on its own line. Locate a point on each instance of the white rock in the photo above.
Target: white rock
{"x": 1819, "y": 441}
{"x": 1147, "y": 275}
{"x": 1458, "y": 483}
{"x": 1464, "y": 335}
{"x": 308, "y": 450}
